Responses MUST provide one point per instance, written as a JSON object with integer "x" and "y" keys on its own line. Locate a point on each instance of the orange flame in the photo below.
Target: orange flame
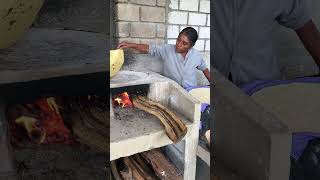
{"x": 123, "y": 100}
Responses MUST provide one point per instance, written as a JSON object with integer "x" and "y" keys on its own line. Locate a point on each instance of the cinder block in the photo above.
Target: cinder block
{"x": 197, "y": 19}
{"x": 127, "y": 12}
{"x": 145, "y": 2}
{"x": 204, "y": 32}
{"x": 208, "y": 20}
{"x": 130, "y": 40}
{"x": 207, "y": 48}
{"x": 123, "y": 29}
{"x": 174, "y": 4}
{"x": 176, "y": 17}
{"x": 152, "y": 14}
{"x": 154, "y": 41}
{"x": 189, "y": 5}
{"x": 199, "y": 45}
{"x": 143, "y": 30}
{"x": 161, "y": 30}
{"x": 173, "y": 31}
{"x": 205, "y": 6}
{"x": 161, "y": 2}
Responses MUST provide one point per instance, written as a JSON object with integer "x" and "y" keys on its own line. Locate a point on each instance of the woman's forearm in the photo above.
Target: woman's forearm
{"x": 310, "y": 37}
{"x": 206, "y": 73}
{"x": 143, "y": 48}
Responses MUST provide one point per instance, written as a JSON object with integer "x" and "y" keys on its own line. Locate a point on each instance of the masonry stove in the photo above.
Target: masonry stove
{"x": 133, "y": 131}
{"x": 45, "y": 63}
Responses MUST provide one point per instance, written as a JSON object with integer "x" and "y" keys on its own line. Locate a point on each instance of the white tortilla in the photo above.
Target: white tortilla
{"x": 296, "y": 104}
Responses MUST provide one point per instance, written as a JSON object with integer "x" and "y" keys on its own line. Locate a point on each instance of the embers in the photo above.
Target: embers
{"x": 49, "y": 120}
{"x": 40, "y": 121}
{"x": 123, "y": 96}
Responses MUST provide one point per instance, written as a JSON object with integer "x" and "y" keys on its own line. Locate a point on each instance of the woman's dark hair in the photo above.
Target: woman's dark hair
{"x": 191, "y": 33}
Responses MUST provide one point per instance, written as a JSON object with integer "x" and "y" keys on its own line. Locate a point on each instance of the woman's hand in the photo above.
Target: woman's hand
{"x": 142, "y": 48}
{"x": 125, "y": 45}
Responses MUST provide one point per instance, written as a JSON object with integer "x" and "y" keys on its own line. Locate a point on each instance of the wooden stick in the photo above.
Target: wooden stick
{"x": 143, "y": 163}
{"x": 161, "y": 165}
{"x": 115, "y": 171}
{"x": 179, "y": 127}
{"x": 174, "y": 127}
{"x": 169, "y": 130}
{"x": 141, "y": 170}
{"x": 135, "y": 172}
{"x": 182, "y": 126}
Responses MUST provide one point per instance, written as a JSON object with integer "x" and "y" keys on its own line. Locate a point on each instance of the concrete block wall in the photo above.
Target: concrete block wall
{"x": 140, "y": 21}
{"x": 160, "y": 21}
{"x": 194, "y": 13}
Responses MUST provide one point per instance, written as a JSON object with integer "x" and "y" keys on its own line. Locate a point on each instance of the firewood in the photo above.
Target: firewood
{"x": 174, "y": 127}
{"x": 163, "y": 168}
{"x": 143, "y": 163}
{"x": 168, "y": 128}
{"x": 126, "y": 174}
{"x": 115, "y": 171}
{"x": 141, "y": 170}
{"x": 53, "y": 104}
{"x": 136, "y": 174}
{"x": 35, "y": 133}
{"x": 179, "y": 127}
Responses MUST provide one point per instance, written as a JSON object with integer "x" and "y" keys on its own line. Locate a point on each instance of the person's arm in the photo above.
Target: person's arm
{"x": 206, "y": 73}
{"x": 143, "y": 48}
{"x": 310, "y": 37}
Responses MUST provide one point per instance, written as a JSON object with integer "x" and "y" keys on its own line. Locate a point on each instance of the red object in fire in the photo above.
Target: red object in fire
{"x": 53, "y": 124}
{"x": 123, "y": 100}
{"x": 47, "y": 118}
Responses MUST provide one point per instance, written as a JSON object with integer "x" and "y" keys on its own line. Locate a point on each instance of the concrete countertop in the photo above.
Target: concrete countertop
{"x": 46, "y": 53}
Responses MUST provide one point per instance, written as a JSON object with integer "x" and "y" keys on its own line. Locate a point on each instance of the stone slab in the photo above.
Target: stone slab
{"x": 46, "y": 53}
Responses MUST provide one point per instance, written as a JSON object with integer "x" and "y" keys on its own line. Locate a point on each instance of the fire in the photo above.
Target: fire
{"x": 123, "y": 100}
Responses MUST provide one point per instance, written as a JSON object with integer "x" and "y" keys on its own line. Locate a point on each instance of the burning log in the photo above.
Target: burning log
{"x": 123, "y": 100}
{"x": 174, "y": 127}
{"x": 163, "y": 168}
{"x": 51, "y": 101}
{"x": 23, "y": 117}
{"x": 42, "y": 121}
{"x": 35, "y": 133}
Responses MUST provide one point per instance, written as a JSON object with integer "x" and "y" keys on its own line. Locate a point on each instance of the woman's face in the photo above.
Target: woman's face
{"x": 183, "y": 44}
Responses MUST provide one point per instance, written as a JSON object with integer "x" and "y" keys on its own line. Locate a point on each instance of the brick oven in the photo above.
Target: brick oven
{"x": 133, "y": 131}
{"x": 63, "y": 54}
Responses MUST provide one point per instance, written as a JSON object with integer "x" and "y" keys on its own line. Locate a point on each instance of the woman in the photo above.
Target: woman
{"x": 180, "y": 60}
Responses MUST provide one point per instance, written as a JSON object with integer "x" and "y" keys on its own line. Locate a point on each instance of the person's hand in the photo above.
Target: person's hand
{"x": 124, "y": 45}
